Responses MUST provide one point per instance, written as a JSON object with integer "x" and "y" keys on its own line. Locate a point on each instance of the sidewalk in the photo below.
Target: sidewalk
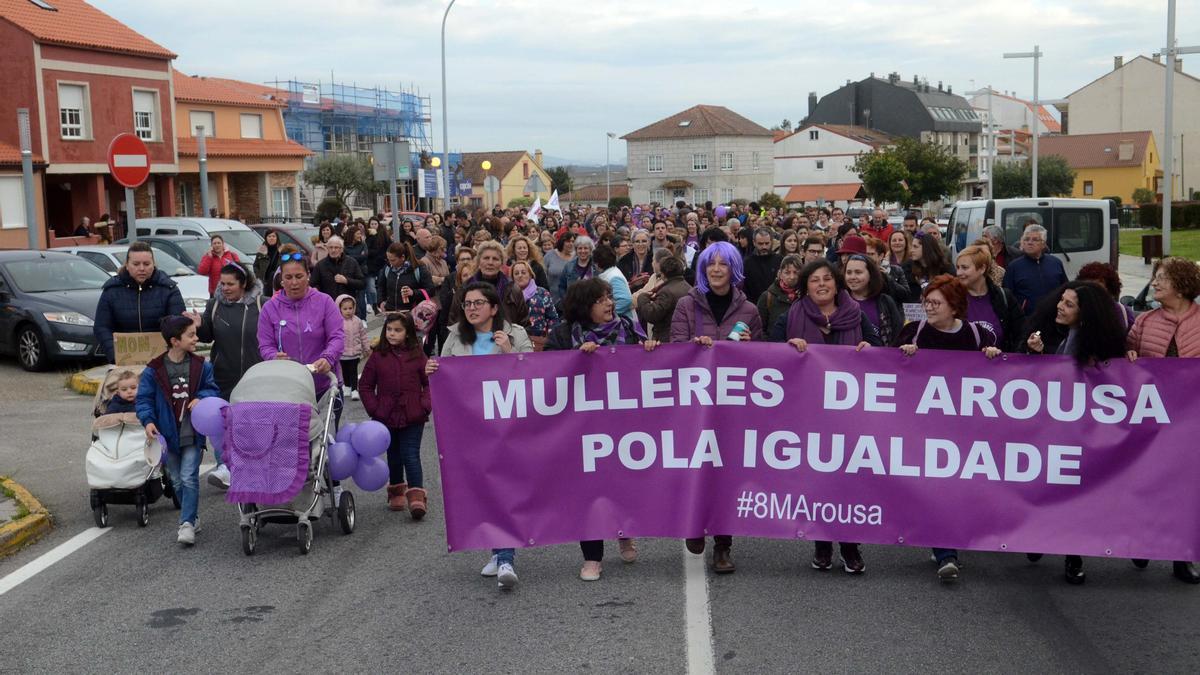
{"x": 1135, "y": 274}
{"x": 23, "y": 519}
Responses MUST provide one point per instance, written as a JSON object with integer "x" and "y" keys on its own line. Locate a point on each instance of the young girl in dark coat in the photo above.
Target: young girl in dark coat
{"x": 395, "y": 392}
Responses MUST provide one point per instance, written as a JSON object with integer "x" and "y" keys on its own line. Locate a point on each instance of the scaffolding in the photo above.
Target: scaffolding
{"x": 336, "y": 118}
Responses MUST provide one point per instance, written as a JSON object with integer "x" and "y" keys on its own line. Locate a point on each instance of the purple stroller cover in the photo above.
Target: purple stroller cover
{"x": 266, "y": 450}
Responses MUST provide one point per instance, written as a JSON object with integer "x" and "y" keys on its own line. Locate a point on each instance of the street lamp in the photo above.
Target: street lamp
{"x": 445, "y": 116}
{"x": 1036, "y": 55}
{"x": 607, "y": 163}
{"x": 989, "y": 136}
{"x": 486, "y": 165}
{"x": 1172, "y": 51}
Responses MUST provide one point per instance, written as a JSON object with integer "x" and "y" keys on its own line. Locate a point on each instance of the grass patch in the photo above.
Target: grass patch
{"x": 1184, "y": 243}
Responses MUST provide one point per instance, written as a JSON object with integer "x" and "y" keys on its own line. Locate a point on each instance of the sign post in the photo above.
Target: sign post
{"x": 390, "y": 162}
{"x": 129, "y": 164}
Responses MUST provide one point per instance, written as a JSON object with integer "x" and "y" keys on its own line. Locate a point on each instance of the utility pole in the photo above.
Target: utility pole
{"x": 1036, "y": 55}
{"x": 31, "y": 224}
{"x": 1172, "y": 52}
{"x": 202, "y": 159}
{"x": 445, "y": 118}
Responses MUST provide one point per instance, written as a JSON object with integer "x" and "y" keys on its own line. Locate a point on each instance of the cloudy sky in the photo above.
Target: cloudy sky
{"x": 558, "y": 75}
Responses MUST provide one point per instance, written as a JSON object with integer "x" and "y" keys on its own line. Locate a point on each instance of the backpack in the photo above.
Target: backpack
{"x": 974, "y": 330}
{"x": 424, "y": 314}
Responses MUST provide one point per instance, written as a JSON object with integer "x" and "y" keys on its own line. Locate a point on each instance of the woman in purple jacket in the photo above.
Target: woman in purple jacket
{"x": 711, "y": 311}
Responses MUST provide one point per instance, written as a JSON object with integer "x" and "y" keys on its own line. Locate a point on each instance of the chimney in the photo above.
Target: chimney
{"x": 949, "y": 89}
{"x": 939, "y": 85}
{"x": 1158, "y": 58}
{"x": 1178, "y": 65}
{"x": 812, "y": 103}
{"x": 1118, "y": 61}
{"x": 537, "y": 158}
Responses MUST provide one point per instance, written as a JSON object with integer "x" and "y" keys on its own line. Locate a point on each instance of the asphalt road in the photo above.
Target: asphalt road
{"x": 390, "y": 598}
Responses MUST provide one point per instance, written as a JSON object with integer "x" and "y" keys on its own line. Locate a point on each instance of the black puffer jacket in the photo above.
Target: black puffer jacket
{"x": 126, "y": 307}
{"x": 232, "y": 327}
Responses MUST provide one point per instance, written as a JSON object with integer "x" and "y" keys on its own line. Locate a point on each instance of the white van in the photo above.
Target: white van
{"x": 1081, "y": 231}
{"x": 237, "y": 235}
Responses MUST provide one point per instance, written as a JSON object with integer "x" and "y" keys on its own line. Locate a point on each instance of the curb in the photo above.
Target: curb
{"x": 27, "y": 530}
{"x": 82, "y": 383}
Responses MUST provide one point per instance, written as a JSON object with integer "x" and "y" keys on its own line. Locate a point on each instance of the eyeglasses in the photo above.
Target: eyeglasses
{"x": 932, "y": 304}
{"x": 603, "y": 298}
{"x": 288, "y": 257}
{"x": 475, "y": 304}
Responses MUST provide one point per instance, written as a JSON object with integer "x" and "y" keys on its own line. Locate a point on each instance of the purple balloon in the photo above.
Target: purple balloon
{"x": 721, "y": 212}
{"x": 345, "y": 433}
{"x": 371, "y": 439}
{"x": 342, "y": 461}
{"x": 207, "y": 417}
{"x": 371, "y": 474}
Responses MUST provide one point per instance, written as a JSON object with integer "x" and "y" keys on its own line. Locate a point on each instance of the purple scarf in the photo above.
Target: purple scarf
{"x": 805, "y": 320}
{"x": 530, "y": 290}
{"x": 615, "y": 332}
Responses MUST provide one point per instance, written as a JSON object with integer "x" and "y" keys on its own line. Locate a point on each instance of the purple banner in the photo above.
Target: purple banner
{"x": 948, "y": 449}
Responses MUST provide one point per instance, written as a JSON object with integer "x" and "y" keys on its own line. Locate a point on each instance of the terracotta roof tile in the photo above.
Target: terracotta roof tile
{"x": 11, "y": 155}
{"x": 77, "y": 24}
{"x": 502, "y": 163}
{"x": 1097, "y": 151}
{"x": 594, "y": 193}
{"x": 198, "y": 89}
{"x": 242, "y": 147}
{"x": 832, "y": 192}
{"x": 700, "y": 121}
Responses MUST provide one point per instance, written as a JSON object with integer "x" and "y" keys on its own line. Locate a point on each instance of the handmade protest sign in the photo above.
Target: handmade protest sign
{"x": 947, "y": 449}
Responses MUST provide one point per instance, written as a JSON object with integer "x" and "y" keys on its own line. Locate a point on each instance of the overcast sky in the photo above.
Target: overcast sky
{"x": 558, "y": 75}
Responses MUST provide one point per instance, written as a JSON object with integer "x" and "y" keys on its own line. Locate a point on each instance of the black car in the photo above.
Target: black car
{"x": 48, "y": 306}
{"x": 186, "y": 247}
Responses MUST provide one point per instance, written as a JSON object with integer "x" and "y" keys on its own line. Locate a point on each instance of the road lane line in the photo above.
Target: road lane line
{"x": 700, "y": 659}
{"x": 44, "y": 561}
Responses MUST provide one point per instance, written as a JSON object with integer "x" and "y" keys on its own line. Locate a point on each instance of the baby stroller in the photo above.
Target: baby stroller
{"x": 276, "y": 447}
{"x": 123, "y": 466}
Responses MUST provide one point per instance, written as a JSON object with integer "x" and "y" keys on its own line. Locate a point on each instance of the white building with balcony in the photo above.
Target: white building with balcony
{"x": 815, "y": 164}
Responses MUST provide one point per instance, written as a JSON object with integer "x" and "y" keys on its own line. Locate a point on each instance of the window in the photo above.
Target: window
{"x": 251, "y": 126}
{"x": 700, "y": 161}
{"x": 727, "y": 161}
{"x": 145, "y": 114}
{"x": 1077, "y": 230}
{"x": 1014, "y": 221}
{"x": 658, "y": 196}
{"x": 726, "y": 195}
{"x": 654, "y": 163}
{"x": 72, "y": 110}
{"x": 1088, "y": 188}
{"x": 12, "y": 202}
{"x": 699, "y": 196}
{"x": 814, "y": 135}
{"x": 186, "y": 201}
{"x": 525, "y": 169}
{"x": 281, "y": 202}
{"x": 820, "y": 165}
{"x": 338, "y": 139}
{"x": 203, "y": 118}
{"x": 754, "y": 161}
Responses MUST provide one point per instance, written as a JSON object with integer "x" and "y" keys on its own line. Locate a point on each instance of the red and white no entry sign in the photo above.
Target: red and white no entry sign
{"x": 128, "y": 160}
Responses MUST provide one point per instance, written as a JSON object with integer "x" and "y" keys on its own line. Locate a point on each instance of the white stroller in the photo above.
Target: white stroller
{"x": 263, "y": 425}
{"x": 123, "y": 466}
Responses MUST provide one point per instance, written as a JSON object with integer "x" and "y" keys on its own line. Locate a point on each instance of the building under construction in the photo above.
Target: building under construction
{"x": 331, "y": 117}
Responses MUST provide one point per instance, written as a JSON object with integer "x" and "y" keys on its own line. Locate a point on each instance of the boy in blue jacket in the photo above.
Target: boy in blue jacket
{"x": 170, "y": 387}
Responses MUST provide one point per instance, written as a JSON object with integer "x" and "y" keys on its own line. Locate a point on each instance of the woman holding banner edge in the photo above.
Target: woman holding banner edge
{"x": 591, "y": 322}
{"x": 827, "y": 314}
{"x": 480, "y": 331}
{"x": 716, "y": 309}
{"x": 946, "y": 327}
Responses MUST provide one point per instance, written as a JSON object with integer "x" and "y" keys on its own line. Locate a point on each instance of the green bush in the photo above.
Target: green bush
{"x": 329, "y": 209}
{"x": 617, "y": 202}
{"x": 1143, "y": 196}
{"x": 520, "y": 202}
{"x": 1183, "y": 216}
{"x": 770, "y": 200}
{"x": 1116, "y": 200}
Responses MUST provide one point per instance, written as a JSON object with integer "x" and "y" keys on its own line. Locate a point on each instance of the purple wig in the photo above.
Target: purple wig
{"x": 728, "y": 254}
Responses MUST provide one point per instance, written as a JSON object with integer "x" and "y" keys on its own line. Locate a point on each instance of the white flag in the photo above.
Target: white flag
{"x": 536, "y": 211}
{"x": 552, "y": 205}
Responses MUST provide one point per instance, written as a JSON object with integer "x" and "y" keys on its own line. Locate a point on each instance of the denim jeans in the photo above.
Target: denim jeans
{"x": 942, "y": 553}
{"x": 184, "y": 467}
{"x": 404, "y": 455}
{"x": 370, "y": 294}
{"x": 504, "y": 555}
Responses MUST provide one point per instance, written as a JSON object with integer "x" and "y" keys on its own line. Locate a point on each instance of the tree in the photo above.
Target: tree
{"x": 1143, "y": 196}
{"x": 910, "y": 172}
{"x": 520, "y": 202}
{"x": 1056, "y": 178}
{"x": 785, "y": 125}
{"x": 616, "y": 203}
{"x": 345, "y": 174}
{"x": 560, "y": 180}
{"x": 770, "y": 200}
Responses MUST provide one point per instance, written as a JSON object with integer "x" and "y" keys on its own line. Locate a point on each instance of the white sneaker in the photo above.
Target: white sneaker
{"x": 337, "y": 495}
{"x": 354, "y": 395}
{"x": 187, "y": 534}
{"x": 219, "y": 477}
{"x": 345, "y": 390}
{"x": 507, "y": 577}
{"x": 490, "y": 569}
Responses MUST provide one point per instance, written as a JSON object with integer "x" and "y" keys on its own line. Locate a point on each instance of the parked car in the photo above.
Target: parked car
{"x": 298, "y": 234}
{"x": 48, "y": 306}
{"x": 187, "y": 248}
{"x": 111, "y": 259}
{"x": 237, "y": 236}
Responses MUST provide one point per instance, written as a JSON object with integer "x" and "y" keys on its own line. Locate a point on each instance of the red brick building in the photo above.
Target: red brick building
{"x": 85, "y": 78}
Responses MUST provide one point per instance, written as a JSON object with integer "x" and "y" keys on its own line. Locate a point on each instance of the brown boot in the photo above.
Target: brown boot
{"x": 416, "y": 502}
{"x": 396, "y": 496}
{"x": 722, "y": 560}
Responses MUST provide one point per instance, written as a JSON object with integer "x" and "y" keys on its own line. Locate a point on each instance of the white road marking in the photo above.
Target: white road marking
{"x": 130, "y": 160}
{"x": 44, "y": 561}
{"x": 700, "y": 659}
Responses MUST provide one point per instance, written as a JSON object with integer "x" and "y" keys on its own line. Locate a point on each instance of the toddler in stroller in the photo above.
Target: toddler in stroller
{"x": 123, "y": 466}
{"x": 276, "y": 447}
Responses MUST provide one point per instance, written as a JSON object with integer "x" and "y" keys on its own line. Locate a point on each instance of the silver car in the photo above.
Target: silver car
{"x": 111, "y": 259}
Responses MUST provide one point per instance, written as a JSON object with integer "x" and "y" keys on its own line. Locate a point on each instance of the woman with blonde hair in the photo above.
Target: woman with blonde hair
{"x": 522, "y": 249}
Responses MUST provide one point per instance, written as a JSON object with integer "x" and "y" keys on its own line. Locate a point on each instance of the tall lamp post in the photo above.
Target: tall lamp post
{"x": 445, "y": 117}
{"x": 1036, "y": 55}
{"x": 607, "y": 171}
{"x": 1172, "y": 52}
{"x": 989, "y": 136}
